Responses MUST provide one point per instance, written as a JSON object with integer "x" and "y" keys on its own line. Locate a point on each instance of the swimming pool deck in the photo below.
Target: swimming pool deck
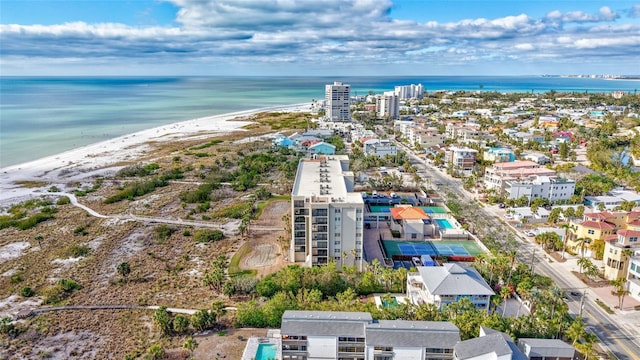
{"x": 273, "y": 338}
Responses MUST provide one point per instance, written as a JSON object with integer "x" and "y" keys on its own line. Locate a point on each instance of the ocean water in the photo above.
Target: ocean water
{"x": 43, "y": 116}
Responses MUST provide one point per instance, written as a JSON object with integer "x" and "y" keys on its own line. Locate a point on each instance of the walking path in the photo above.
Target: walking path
{"x": 32, "y": 312}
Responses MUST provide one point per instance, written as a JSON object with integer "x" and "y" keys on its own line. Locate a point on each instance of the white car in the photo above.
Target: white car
{"x": 530, "y": 233}
{"x": 508, "y": 216}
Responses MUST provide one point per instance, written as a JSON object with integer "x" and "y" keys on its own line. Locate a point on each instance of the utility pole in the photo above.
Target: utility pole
{"x": 584, "y": 295}
{"x": 533, "y": 258}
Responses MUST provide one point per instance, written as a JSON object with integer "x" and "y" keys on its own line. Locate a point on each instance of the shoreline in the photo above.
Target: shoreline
{"x": 98, "y": 159}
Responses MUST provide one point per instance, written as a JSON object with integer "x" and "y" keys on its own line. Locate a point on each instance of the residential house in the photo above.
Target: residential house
{"x": 442, "y": 285}
{"x": 499, "y": 155}
{"x": 538, "y": 158}
{"x": 619, "y": 248}
{"x": 546, "y": 349}
{"x": 412, "y": 222}
{"x": 592, "y": 229}
{"x": 379, "y": 148}
{"x": 633, "y": 277}
{"x": 461, "y": 159}
{"x": 322, "y": 148}
{"x": 490, "y": 345}
{"x": 496, "y": 345}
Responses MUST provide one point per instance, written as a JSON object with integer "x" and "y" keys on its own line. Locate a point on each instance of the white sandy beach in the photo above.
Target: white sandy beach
{"x": 98, "y": 159}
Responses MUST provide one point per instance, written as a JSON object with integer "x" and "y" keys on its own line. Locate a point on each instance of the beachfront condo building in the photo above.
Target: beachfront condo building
{"x": 338, "y": 101}
{"x": 388, "y": 105}
{"x": 412, "y": 91}
{"x": 355, "y": 335}
{"x": 327, "y": 216}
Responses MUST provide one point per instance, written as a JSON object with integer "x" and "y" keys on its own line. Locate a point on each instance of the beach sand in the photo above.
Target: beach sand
{"x": 100, "y": 158}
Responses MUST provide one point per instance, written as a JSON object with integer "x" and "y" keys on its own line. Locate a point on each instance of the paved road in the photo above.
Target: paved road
{"x": 622, "y": 344}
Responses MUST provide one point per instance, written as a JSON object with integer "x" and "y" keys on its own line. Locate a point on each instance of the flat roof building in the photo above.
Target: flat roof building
{"x": 327, "y": 216}
{"x": 338, "y": 101}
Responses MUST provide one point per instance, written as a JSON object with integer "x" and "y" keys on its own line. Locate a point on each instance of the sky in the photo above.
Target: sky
{"x": 318, "y": 37}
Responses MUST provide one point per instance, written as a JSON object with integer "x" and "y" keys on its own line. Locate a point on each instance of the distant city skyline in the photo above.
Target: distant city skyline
{"x": 324, "y": 38}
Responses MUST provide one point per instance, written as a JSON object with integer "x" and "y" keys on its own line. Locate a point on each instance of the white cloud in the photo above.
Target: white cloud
{"x": 322, "y": 32}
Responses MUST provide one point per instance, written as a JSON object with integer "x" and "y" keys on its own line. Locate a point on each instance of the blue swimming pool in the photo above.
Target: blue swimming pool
{"x": 266, "y": 352}
{"x": 443, "y": 223}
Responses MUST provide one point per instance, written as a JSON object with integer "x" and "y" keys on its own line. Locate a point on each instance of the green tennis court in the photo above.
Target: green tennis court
{"x": 433, "y": 248}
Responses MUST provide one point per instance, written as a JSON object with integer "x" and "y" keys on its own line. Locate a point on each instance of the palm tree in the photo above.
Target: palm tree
{"x": 505, "y": 294}
{"x": 576, "y": 331}
{"x": 583, "y": 263}
{"x": 620, "y": 290}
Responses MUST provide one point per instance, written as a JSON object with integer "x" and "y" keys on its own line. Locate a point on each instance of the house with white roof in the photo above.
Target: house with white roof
{"x": 442, "y": 285}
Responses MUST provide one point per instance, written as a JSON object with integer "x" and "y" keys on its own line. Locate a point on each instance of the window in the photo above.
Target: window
{"x": 337, "y": 235}
{"x": 591, "y": 232}
{"x": 337, "y": 251}
{"x": 633, "y": 239}
{"x": 336, "y": 242}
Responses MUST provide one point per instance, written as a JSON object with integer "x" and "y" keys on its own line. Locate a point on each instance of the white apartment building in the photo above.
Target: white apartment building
{"x": 545, "y": 187}
{"x": 355, "y": 335}
{"x": 338, "y": 101}
{"x": 426, "y": 137}
{"x": 412, "y": 91}
{"x": 388, "y": 105}
{"x": 495, "y": 176}
{"x": 327, "y": 216}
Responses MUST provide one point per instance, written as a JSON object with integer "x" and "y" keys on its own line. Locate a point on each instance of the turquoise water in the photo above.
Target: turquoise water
{"x": 443, "y": 223}
{"x": 266, "y": 352}
{"x": 42, "y": 116}
{"x": 427, "y": 209}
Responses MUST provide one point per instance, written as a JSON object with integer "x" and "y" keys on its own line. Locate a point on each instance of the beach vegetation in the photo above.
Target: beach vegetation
{"x": 207, "y": 235}
{"x": 282, "y": 120}
{"x": 76, "y": 251}
{"x": 138, "y": 170}
{"x": 206, "y": 145}
{"x": 27, "y": 292}
{"x": 63, "y": 200}
{"x": 140, "y": 188}
{"x": 31, "y": 184}
{"x": 163, "y": 233}
{"x": 235, "y": 211}
{"x": 93, "y": 188}
{"x": 201, "y": 194}
{"x": 81, "y": 230}
{"x": 60, "y": 291}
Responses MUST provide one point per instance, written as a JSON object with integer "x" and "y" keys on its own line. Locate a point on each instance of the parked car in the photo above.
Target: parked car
{"x": 502, "y": 206}
{"x": 530, "y": 233}
{"x": 508, "y": 216}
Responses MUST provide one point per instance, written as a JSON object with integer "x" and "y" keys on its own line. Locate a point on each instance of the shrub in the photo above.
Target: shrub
{"x": 163, "y": 232}
{"x": 27, "y": 292}
{"x": 78, "y": 250}
{"x": 60, "y": 291}
{"x": 17, "y": 278}
{"x": 81, "y": 230}
{"x": 207, "y": 236}
{"x": 64, "y": 200}
{"x": 138, "y": 170}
